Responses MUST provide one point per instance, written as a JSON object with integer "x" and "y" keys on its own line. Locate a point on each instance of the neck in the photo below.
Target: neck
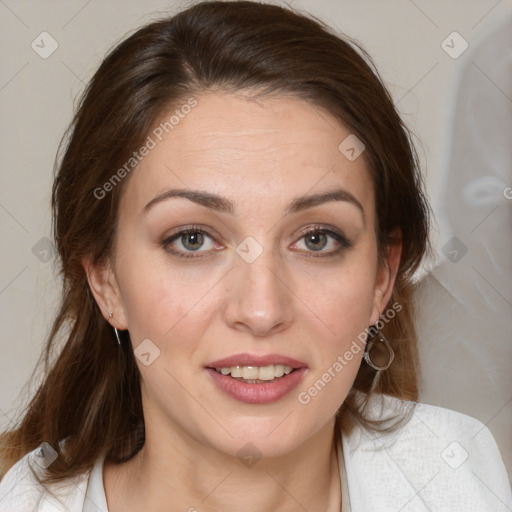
{"x": 196, "y": 478}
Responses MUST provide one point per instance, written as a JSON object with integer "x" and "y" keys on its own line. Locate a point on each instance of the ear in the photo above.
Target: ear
{"x": 103, "y": 285}
{"x": 386, "y": 276}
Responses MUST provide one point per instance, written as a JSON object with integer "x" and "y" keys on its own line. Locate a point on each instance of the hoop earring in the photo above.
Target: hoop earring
{"x": 391, "y": 353}
{"x": 110, "y": 315}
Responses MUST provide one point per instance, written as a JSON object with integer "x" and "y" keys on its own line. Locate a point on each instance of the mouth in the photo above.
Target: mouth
{"x": 255, "y": 374}
{"x": 257, "y": 379}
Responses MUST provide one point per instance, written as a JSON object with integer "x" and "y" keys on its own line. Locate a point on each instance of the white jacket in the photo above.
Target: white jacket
{"x": 439, "y": 461}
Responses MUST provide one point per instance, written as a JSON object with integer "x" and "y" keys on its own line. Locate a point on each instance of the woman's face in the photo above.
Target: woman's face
{"x": 270, "y": 274}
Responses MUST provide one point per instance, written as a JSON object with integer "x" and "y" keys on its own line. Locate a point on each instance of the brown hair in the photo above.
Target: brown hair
{"x": 90, "y": 392}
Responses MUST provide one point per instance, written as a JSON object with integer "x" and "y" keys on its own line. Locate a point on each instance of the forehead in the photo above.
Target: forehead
{"x": 271, "y": 149}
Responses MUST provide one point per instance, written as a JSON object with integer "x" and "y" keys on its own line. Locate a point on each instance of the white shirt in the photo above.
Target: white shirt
{"x": 439, "y": 461}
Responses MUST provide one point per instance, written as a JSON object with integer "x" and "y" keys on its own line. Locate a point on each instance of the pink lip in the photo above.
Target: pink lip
{"x": 257, "y": 393}
{"x": 255, "y": 360}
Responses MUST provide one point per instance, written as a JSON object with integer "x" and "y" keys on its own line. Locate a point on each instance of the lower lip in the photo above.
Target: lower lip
{"x": 257, "y": 393}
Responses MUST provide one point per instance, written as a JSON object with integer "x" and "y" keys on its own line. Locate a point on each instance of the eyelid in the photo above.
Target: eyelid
{"x": 327, "y": 228}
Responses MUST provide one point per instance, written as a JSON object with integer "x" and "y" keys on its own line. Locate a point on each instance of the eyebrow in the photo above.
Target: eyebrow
{"x": 223, "y": 205}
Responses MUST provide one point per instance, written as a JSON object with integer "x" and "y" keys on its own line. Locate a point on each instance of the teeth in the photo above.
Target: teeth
{"x": 269, "y": 372}
{"x": 250, "y": 372}
{"x": 265, "y": 372}
{"x": 236, "y": 371}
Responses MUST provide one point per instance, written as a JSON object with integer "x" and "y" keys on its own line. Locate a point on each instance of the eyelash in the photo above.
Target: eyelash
{"x": 339, "y": 237}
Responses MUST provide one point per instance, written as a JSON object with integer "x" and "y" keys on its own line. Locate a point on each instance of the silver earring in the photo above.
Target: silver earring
{"x": 369, "y": 344}
{"x": 117, "y": 336}
{"x": 110, "y": 315}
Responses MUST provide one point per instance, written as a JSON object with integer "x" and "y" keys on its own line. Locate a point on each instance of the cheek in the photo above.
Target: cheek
{"x": 163, "y": 301}
{"x": 343, "y": 305}
{"x": 341, "y": 297}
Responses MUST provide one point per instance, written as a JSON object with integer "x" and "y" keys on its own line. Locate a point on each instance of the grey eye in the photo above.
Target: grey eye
{"x": 192, "y": 241}
{"x": 315, "y": 240}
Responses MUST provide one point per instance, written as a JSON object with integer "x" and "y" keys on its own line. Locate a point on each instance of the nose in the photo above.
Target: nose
{"x": 259, "y": 301}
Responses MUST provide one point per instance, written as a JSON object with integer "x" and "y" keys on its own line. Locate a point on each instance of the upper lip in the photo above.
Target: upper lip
{"x": 256, "y": 360}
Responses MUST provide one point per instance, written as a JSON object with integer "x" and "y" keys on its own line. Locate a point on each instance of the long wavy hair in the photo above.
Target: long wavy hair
{"x": 90, "y": 392}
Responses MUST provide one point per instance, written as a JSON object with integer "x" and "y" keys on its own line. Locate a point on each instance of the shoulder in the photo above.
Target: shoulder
{"x": 439, "y": 459}
{"x": 20, "y": 489}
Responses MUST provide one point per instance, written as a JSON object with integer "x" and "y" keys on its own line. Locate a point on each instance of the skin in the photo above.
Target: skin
{"x": 260, "y": 155}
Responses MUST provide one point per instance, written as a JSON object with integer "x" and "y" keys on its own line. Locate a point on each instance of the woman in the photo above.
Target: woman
{"x": 239, "y": 213}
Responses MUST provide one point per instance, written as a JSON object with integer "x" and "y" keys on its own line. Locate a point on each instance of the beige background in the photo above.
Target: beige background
{"x": 465, "y": 306}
